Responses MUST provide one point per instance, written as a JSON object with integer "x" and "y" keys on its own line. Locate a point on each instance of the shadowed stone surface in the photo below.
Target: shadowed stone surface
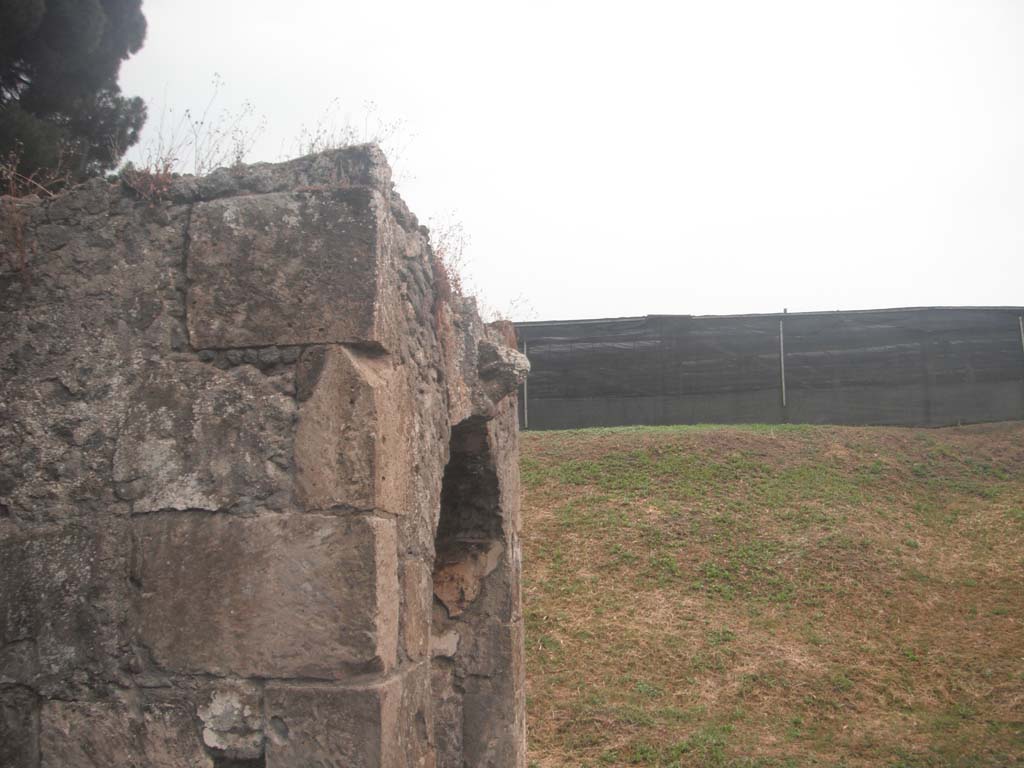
{"x": 378, "y": 725}
{"x": 64, "y": 604}
{"x": 94, "y": 734}
{"x": 19, "y": 726}
{"x": 258, "y": 485}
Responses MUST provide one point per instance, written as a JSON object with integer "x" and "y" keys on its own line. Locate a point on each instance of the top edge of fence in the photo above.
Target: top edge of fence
{"x": 831, "y": 312}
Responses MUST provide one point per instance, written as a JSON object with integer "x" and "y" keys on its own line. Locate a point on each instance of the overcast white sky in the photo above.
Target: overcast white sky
{"x": 611, "y": 159}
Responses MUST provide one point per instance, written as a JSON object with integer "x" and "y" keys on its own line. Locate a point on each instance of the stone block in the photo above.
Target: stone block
{"x": 196, "y": 437}
{"x": 64, "y": 592}
{"x": 479, "y": 697}
{"x": 493, "y": 729}
{"x": 328, "y": 725}
{"x": 18, "y": 661}
{"x": 489, "y": 649}
{"x": 417, "y": 597}
{"x": 362, "y": 165}
{"x": 291, "y": 268}
{"x": 19, "y": 724}
{"x": 354, "y": 441}
{"x": 494, "y": 701}
{"x": 104, "y": 734}
{"x": 412, "y": 742}
{"x": 502, "y": 369}
{"x": 384, "y": 724}
{"x": 276, "y": 596}
{"x": 447, "y": 715}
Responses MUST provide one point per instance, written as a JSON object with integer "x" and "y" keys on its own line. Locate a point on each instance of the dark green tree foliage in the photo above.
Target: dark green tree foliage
{"x": 60, "y": 106}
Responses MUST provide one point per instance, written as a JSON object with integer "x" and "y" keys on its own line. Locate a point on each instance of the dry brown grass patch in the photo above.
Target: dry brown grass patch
{"x": 775, "y": 596}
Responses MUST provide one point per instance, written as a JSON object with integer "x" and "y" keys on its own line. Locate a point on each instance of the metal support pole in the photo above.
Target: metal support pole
{"x": 782, "y": 362}
{"x": 1020, "y": 325}
{"x": 526, "y": 395}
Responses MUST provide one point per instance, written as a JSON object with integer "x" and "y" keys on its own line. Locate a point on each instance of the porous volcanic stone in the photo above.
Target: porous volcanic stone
{"x": 104, "y": 734}
{"x": 196, "y": 437}
{"x": 290, "y": 268}
{"x": 284, "y": 596}
{"x": 64, "y": 597}
{"x": 19, "y": 727}
{"x": 384, "y": 724}
{"x": 234, "y": 464}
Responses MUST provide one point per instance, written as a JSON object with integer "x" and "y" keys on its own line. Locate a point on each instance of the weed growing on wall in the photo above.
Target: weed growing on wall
{"x": 334, "y": 129}
{"x": 451, "y": 242}
{"x": 14, "y": 185}
{"x": 44, "y": 182}
{"x": 199, "y": 141}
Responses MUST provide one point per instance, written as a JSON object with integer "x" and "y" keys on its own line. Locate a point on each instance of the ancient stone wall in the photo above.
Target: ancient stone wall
{"x": 230, "y": 531}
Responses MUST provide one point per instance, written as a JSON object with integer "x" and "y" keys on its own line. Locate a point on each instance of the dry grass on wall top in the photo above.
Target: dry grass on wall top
{"x": 775, "y": 596}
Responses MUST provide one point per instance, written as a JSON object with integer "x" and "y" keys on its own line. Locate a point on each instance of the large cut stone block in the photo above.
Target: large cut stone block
{"x": 295, "y": 595}
{"x": 354, "y": 442}
{"x": 385, "y": 724}
{"x": 291, "y": 268}
{"x": 63, "y": 596}
{"x": 196, "y": 437}
{"x": 104, "y": 734}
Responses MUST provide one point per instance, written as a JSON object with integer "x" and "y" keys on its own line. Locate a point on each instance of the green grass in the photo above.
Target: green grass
{"x": 775, "y": 596}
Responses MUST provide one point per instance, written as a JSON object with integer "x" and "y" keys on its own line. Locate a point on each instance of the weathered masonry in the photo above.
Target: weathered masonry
{"x": 913, "y": 367}
{"x": 258, "y": 482}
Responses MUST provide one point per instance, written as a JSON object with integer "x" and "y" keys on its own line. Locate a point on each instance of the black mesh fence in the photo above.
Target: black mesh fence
{"x": 915, "y": 367}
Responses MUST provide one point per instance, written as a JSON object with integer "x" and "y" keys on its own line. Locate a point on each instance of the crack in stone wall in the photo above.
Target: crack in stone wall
{"x": 224, "y": 424}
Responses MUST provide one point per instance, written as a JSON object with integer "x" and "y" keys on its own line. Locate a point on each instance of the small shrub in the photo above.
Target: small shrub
{"x": 151, "y": 184}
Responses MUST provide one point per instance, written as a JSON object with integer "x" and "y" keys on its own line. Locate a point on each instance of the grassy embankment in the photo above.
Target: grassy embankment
{"x": 775, "y": 596}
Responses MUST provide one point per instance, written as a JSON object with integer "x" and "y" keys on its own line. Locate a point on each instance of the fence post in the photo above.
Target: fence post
{"x": 526, "y": 394}
{"x": 782, "y": 361}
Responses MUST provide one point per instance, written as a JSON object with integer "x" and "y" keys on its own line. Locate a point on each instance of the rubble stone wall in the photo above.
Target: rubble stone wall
{"x": 230, "y": 532}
